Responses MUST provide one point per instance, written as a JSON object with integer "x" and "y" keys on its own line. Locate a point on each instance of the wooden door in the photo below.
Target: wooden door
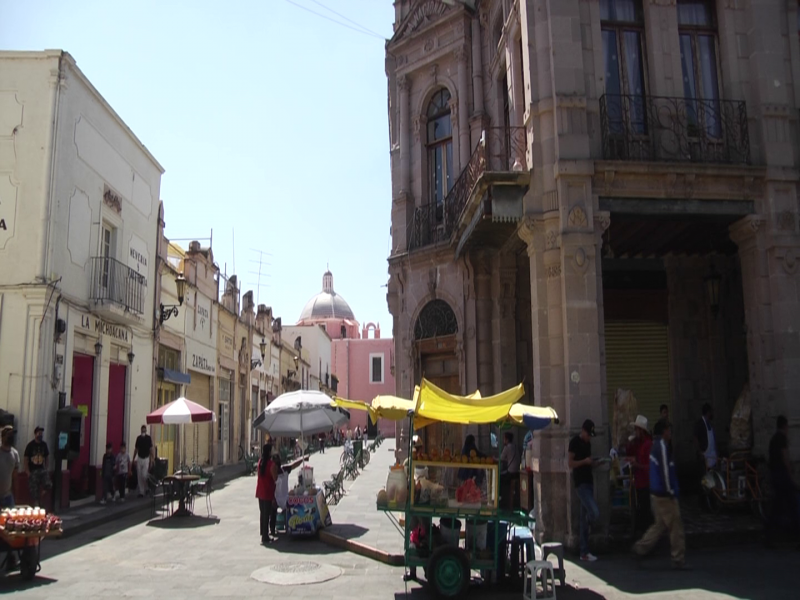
{"x": 115, "y": 422}
{"x": 442, "y": 370}
{"x": 82, "y": 385}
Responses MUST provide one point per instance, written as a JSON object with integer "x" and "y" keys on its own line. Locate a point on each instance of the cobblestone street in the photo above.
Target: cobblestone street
{"x": 201, "y": 558}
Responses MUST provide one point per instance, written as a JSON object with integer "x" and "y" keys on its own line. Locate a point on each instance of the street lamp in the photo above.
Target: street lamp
{"x": 98, "y": 348}
{"x": 263, "y": 347}
{"x": 131, "y": 356}
{"x": 712, "y": 289}
{"x": 171, "y": 310}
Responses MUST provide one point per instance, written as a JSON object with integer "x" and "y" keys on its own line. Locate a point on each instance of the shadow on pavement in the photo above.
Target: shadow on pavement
{"x": 183, "y": 522}
{"x": 499, "y": 592}
{"x": 302, "y": 546}
{"x": 347, "y": 531}
{"x": 15, "y": 583}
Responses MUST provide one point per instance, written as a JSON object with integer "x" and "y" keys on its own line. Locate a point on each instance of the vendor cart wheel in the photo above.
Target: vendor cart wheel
{"x": 28, "y": 563}
{"x": 448, "y": 572}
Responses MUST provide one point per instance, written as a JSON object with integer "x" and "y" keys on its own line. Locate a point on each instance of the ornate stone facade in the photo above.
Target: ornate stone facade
{"x": 616, "y": 221}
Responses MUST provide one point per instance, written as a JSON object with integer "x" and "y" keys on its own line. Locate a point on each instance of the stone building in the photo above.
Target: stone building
{"x": 79, "y": 214}
{"x": 597, "y": 194}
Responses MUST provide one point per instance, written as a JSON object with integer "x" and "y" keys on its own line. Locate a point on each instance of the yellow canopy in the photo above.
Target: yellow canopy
{"x": 437, "y": 405}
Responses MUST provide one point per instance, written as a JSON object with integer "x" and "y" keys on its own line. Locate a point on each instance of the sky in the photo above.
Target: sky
{"x": 269, "y": 120}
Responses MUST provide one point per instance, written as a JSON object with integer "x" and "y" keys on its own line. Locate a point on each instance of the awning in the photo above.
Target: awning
{"x": 437, "y": 405}
{"x": 176, "y": 377}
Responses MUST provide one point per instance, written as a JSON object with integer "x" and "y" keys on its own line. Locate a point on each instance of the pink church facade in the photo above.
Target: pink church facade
{"x": 362, "y": 361}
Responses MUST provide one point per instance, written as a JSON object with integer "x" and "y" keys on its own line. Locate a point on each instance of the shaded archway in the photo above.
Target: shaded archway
{"x": 435, "y": 332}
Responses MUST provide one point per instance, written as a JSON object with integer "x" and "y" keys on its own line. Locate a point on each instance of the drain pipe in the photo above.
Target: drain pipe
{"x": 50, "y": 152}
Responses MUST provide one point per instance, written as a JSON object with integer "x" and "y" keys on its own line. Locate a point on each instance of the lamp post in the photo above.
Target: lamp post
{"x": 131, "y": 356}
{"x": 98, "y": 348}
{"x": 712, "y": 281}
{"x": 171, "y": 310}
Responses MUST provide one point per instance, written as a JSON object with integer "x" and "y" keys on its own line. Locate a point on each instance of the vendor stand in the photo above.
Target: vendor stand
{"x": 457, "y": 490}
{"x": 301, "y": 413}
{"x": 22, "y": 530}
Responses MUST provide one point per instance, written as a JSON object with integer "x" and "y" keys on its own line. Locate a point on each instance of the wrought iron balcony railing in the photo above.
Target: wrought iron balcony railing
{"x": 117, "y": 283}
{"x": 659, "y": 128}
{"x": 501, "y": 149}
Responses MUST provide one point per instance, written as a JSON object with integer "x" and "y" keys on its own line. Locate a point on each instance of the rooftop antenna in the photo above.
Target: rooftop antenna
{"x": 258, "y": 274}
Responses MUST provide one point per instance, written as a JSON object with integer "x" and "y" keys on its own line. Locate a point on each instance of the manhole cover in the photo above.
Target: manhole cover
{"x": 296, "y": 573}
{"x": 301, "y": 567}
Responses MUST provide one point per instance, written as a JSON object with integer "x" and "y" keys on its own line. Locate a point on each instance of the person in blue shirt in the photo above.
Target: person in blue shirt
{"x": 664, "y": 500}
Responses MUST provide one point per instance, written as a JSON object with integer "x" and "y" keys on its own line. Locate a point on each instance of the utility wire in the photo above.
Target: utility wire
{"x": 313, "y": 12}
{"x": 348, "y": 20}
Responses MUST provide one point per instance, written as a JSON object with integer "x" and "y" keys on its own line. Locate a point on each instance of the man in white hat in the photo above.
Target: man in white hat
{"x": 639, "y": 452}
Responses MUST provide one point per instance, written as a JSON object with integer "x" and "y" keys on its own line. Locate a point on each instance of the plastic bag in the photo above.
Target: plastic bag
{"x": 282, "y": 490}
{"x": 626, "y": 407}
{"x": 741, "y": 430}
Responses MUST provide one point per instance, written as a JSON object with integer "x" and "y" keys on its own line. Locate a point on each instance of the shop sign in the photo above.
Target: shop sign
{"x": 202, "y": 318}
{"x": 104, "y": 328}
{"x": 138, "y": 256}
{"x": 227, "y": 343}
{"x": 200, "y": 358}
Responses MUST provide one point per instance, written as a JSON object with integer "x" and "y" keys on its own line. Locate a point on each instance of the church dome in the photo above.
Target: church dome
{"x": 327, "y": 304}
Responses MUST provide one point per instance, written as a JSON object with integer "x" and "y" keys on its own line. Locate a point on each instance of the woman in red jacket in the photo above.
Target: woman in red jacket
{"x": 639, "y": 450}
{"x": 267, "y": 475}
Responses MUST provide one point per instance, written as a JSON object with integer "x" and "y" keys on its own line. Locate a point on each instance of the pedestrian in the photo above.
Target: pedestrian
{"x": 123, "y": 470}
{"x": 358, "y": 433}
{"x": 143, "y": 451}
{"x": 109, "y": 466}
{"x": 785, "y": 492}
{"x": 639, "y": 450}
{"x": 581, "y": 463}
{"x": 35, "y": 459}
{"x": 664, "y": 492}
{"x": 322, "y": 443}
{"x": 267, "y": 477}
{"x": 9, "y": 466}
{"x": 509, "y": 471}
{"x": 705, "y": 445}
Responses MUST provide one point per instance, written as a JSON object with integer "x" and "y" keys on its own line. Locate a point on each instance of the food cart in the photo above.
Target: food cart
{"x": 440, "y": 483}
{"x": 21, "y": 531}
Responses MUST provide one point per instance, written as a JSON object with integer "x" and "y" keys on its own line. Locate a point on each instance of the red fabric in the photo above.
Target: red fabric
{"x": 265, "y": 484}
{"x": 640, "y": 450}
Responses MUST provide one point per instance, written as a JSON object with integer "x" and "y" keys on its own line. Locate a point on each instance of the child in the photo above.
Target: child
{"x": 109, "y": 463}
{"x": 123, "y": 470}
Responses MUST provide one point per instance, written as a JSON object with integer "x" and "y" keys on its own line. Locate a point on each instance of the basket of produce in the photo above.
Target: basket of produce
{"x": 25, "y": 523}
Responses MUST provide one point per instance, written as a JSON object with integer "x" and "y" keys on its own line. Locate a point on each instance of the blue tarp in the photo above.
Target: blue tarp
{"x": 176, "y": 377}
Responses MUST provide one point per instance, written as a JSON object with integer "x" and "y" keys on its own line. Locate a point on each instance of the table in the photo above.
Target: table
{"x": 305, "y": 515}
{"x": 184, "y": 482}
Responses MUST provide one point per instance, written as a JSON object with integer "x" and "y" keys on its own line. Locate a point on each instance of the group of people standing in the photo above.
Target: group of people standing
{"x": 655, "y": 481}
{"x": 656, "y": 508}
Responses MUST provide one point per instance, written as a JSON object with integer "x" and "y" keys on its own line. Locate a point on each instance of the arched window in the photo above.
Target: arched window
{"x": 435, "y": 320}
{"x": 440, "y": 149}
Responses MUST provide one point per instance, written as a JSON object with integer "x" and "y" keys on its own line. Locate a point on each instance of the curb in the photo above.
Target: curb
{"x": 132, "y": 509}
{"x": 393, "y": 560}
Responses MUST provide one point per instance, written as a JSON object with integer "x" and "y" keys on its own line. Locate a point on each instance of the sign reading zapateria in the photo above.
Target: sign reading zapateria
{"x": 200, "y": 358}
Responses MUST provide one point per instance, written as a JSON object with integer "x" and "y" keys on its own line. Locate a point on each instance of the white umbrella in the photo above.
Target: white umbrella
{"x": 305, "y": 412}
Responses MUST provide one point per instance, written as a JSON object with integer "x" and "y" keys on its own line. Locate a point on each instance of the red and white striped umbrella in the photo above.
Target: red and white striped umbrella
{"x": 179, "y": 412}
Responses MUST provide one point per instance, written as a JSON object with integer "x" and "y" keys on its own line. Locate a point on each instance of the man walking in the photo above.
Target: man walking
{"x": 581, "y": 461}
{"x": 639, "y": 450}
{"x": 36, "y": 455}
{"x": 144, "y": 459}
{"x": 9, "y": 467}
{"x": 509, "y": 471}
{"x": 664, "y": 491}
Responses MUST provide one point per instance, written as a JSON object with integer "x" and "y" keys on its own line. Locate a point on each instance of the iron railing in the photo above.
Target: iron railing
{"x": 117, "y": 283}
{"x": 660, "y": 128}
{"x": 501, "y": 149}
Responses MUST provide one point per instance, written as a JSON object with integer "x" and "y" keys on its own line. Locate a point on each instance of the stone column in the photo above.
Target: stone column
{"x": 504, "y": 335}
{"x": 772, "y": 315}
{"x": 404, "y": 84}
{"x": 477, "y": 67}
{"x": 514, "y": 78}
{"x": 483, "y": 312}
{"x": 464, "y": 147}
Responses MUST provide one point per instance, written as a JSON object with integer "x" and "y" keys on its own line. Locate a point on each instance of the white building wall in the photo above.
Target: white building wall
{"x": 318, "y": 344}
{"x": 61, "y": 148}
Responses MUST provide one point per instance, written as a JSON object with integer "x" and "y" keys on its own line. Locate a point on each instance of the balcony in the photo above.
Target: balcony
{"x": 657, "y": 128}
{"x": 498, "y": 160}
{"x": 116, "y": 286}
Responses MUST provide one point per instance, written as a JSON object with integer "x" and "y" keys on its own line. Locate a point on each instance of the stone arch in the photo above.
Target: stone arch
{"x": 436, "y": 318}
{"x": 442, "y": 81}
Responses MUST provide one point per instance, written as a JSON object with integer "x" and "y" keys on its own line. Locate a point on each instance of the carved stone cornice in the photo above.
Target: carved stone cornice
{"x": 746, "y": 229}
{"x": 602, "y": 221}
{"x": 531, "y": 230}
{"x": 404, "y": 83}
{"x": 461, "y": 55}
